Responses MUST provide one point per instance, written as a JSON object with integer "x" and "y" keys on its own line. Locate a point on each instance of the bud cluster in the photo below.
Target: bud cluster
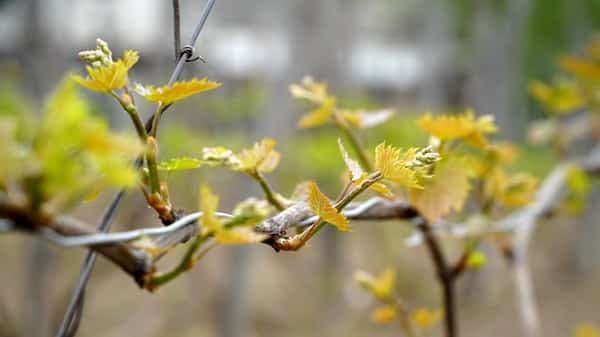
{"x": 424, "y": 157}
{"x": 101, "y": 56}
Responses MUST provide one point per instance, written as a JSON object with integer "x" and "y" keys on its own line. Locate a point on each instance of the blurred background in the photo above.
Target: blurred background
{"x": 410, "y": 55}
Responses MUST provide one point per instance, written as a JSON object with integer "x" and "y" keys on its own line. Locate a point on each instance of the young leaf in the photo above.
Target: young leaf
{"x": 353, "y": 166}
{"x": 391, "y": 162}
{"x": 367, "y": 119}
{"x": 426, "y": 318}
{"x": 465, "y": 126}
{"x": 384, "y": 314}
{"x": 381, "y": 286}
{"x": 320, "y": 204}
{"x": 318, "y": 116}
{"x": 261, "y": 157}
{"x": 512, "y": 190}
{"x": 182, "y": 163}
{"x": 108, "y": 77}
{"x": 383, "y": 190}
{"x": 208, "y": 205}
{"x": 308, "y": 89}
{"x": 561, "y": 97}
{"x": 178, "y": 91}
{"x": 447, "y": 190}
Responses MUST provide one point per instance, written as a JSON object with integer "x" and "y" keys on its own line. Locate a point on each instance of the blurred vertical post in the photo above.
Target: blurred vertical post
{"x": 495, "y": 84}
{"x": 39, "y": 257}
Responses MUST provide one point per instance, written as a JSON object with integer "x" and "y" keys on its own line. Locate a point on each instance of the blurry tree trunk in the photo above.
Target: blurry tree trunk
{"x": 494, "y": 83}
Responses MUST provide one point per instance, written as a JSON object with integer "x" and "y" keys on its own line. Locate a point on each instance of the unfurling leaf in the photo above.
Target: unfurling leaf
{"x": 384, "y": 314}
{"x": 562, "y": 96}
{"x": 318, "y": 116}
{"x": 208, "y": 204}
{"x": 512, "y": 190}
{"x": 320, "y": 204}
{"x": 182, "y": 163}
{"x": 383, "y": 190}
{"x": 178, "y": 91}
{"x": 447, "y": 190}
{"x": 261, "y": 157}
{"x": 426, "y": 318}
{"x": 367, "y": 119}
{"x": 465, "y": 126}
{"x": 219, "y": 156}
{"x": 104, "y": 75}
{"x": 352, "y": 165}
{"x": 391, "y": 162}
{"x": 381, "y": 286}
{"x": 308, "y": 89}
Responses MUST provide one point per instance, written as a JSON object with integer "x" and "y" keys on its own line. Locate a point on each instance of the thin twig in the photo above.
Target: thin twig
{"x": 444, "y": 275}
{"x": 268, "y": 191}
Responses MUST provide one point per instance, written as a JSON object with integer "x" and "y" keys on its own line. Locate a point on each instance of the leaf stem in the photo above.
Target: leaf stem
{"x": 131, "y": 110}
{"x": 268, "y": 190}
{"x": 156, "y": 118}
{"x": 186, "y": 263}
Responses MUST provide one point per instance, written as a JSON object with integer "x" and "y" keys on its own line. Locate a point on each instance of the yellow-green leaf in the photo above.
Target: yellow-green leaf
{"x": 391, "y": 162}
{"x": 178, "y": 91}
{"x": 367, "y": 119}
{"x": 208, "y": 204}
{"x": 384, "y": 314}
{"x": 426, "y": 318}
{"x": 261, "y": 157}
{"x": 310, "y": 90}
{"x": 465, "y": 126}
{"x": 107, "y": 76}
{"x": 562, "y": 96}
{"x": 318, "y": 116}
{"x": 320, "y": 204}
{"x": 182, "y": 163}
{"x": 352, "y": 165}
{"x": 447, "y": 190}
{"x": 381, "y": 286}
{"x": 382, "y": 190}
